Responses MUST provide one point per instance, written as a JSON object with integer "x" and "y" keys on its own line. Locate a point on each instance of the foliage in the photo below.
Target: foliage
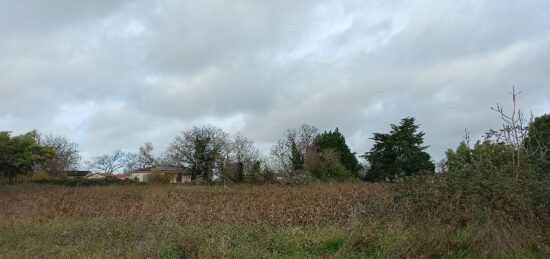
{"x": 460, "y": 158}
{"x": 485, "y": 200}
{"x": 335, "y": 141}
{"x": 497, "y": 188}
{"x": 159, "y": 178}
{"x": 484, "y": 154}
{"x": 363, "y": 220}
{"x": 83, "y": 182}
{"x": 398, "y": 153}
{"x": 41, "y": 175}
{"x": 493, "y": 201}
{"x": 537, "y": 141}
{"x": 524, "y": 149}
{"x": 326, "y": 165}
{"x": 202, "y": 150}
{"x": 290, "y": 152}
{"x": 21, "y": 154}
{"x": 262, "y": 175}
{"x": 259, "y": 173}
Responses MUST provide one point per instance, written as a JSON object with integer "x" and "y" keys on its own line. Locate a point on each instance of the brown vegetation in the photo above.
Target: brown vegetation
{"x": 251, "y": 221}
{"x": 244, "y": 204}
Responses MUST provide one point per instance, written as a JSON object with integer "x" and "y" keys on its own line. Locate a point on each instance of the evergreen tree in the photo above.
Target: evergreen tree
{"x": 398, "y": 153}
{"x": 336, "y": 141}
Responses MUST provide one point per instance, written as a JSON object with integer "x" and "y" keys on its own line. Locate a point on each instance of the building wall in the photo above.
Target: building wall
{"x": 184, "y": 178}
{"x": 144, "y": 177}
{"x": 95, "y": 176}
{"x": 141, "y": 177}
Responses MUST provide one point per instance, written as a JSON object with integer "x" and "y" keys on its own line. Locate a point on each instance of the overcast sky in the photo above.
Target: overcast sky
{"x": 113, "y": 74}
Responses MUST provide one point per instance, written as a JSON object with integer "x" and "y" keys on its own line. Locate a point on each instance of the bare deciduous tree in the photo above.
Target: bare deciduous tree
{"x": 290, "y": 152}
{"x": 202, "y": 150}
{"x": 131, "y": 162}
{"x": 66, "y": 155}
{"x": 244, "y": 154}
{"x": 515, "y": 128}
{"x": 145, "y": 157}
{"x": 112, "y": 163}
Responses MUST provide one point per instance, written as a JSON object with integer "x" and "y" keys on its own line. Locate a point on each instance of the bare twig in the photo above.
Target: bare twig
{"x": 514, "y": 128}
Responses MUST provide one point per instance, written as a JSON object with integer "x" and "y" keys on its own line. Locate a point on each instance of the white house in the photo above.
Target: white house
{"x": 175, "y": 175}
{"x": 95, "y": 176}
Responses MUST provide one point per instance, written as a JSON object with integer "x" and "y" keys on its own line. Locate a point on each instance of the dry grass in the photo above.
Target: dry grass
{"x": 352, "y": 220}
{"x": 245, "y": 204}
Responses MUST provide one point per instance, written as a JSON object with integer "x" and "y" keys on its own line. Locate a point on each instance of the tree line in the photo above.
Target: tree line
{"x": 209, "y": 153}
{"x": 301, "y": 155}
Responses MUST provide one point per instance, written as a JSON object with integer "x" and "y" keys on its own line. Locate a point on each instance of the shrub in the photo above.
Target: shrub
{"x": 264, "y": 176}
{"x": 40, "y": 175}
{"x": 300, "y": 178}
{"x": 326, "y": 166}
{"x": 83, "y": 182}
{"x": 158, "y": 178}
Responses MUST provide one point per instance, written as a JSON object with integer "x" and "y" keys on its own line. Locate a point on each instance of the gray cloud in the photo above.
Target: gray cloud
{"x": 114, "y": 74}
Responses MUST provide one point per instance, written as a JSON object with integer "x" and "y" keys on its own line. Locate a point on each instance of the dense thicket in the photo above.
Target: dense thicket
{"x": 497, "y": 188}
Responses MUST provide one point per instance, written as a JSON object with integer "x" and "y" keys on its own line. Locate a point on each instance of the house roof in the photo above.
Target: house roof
{"x": 163, "y": 169}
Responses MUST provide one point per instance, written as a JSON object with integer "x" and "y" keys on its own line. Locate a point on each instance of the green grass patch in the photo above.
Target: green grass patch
{"x": 99, "y": 238}
{"x": 96, "y": 238}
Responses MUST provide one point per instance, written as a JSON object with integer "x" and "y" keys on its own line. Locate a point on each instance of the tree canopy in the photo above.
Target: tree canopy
{"x": 398, "y": 153}
{"x": 66, "y": 155}
{"x": 21, "y": 154}
{"x": 538, "y": 138}
{"x": 201, "y": 150}
{"x": 290, "y": 152}
{"x": 335, "y": 141}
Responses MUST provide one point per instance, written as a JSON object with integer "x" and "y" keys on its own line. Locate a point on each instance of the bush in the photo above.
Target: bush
{"x": 40, "y": 175}
{"x": 159, "y": 178}
{"x": 325, "y": 165}
{"x": 265, "y": 176}
{"x": 299, "y": 178}
{"x": 83, "y": 182}
{"x": 487, "y": 200}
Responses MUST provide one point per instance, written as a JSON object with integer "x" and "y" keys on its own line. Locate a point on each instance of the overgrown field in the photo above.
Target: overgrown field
{"x": 353, "y": 220}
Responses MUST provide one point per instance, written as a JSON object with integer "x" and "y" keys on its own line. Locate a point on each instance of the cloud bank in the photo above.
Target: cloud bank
{"x": 114, "y": 74}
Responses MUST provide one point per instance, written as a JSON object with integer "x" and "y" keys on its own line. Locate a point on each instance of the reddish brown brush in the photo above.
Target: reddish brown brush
{"x": 243, "y": 204}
